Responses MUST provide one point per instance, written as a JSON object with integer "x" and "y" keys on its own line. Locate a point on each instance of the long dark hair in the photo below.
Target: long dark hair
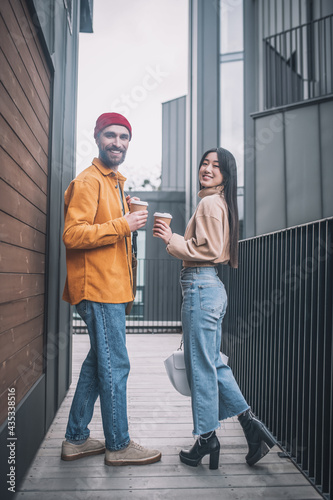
{"x": 228, "y": 169}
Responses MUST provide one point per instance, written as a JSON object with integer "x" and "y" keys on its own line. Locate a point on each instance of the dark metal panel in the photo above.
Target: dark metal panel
{"x": 269, "y": 175}
{"x": 86, "y": 16}
{"x": 29, "y": 433}
{"x": 326, "y": 147}
{"x": 303, "y": 176}
{"x": 181, "y": 149}
{"x": 173, "y": 145}
{"x": 165, "y": 175}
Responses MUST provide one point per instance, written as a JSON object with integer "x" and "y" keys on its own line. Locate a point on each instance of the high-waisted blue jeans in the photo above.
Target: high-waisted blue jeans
{"x": 104, "y": 373}
{"x": 214, "y": 390}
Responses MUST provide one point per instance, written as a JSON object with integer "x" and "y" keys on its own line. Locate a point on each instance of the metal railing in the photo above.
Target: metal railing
{"x": 158, "y": 299}
{"x": 278, "y": 335}
{"x": 298, "y": 63}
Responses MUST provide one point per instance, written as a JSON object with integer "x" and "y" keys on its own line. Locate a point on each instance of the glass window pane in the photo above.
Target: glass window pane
{"x": 232, "y": 122}
{"x": 231, "y": 15}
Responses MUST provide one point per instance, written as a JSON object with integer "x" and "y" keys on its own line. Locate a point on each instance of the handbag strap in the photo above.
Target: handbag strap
{"x": 180, "y": 348}
{"x": 134, "y": 243}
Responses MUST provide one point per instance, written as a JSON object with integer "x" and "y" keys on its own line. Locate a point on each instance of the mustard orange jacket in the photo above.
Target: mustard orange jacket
{"x": 96, "y": 233}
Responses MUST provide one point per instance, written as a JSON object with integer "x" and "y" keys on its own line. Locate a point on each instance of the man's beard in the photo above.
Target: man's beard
{"x": 112, "y": 162}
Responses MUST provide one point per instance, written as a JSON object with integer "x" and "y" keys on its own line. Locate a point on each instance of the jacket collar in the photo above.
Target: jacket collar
{"x": 107, "y": 171}
{"x": 209, "y": 191}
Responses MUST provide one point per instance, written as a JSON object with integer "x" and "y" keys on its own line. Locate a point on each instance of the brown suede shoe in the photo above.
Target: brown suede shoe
{"x": 74, "y": 451}
{"x": 133, "y": 454}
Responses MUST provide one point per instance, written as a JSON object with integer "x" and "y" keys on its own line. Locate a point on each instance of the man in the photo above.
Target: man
{"x": 97, "y": 236}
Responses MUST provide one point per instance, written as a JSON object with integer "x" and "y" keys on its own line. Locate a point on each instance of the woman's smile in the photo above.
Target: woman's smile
{"x": 210, "y": 174}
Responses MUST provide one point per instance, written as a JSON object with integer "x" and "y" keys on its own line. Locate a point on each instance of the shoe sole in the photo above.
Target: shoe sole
{"x": 194, "y": 463}
{"x": 264, "y": 449}
{"x": 191, "y": 463}
{"x": 142, "y": 461}
{"x": 69, "y": 458}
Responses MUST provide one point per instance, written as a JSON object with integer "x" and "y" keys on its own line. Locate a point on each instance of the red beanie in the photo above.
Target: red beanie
{"x": 107, "y": 119}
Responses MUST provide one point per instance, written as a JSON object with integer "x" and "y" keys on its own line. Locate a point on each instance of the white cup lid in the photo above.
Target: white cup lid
{"x": 139, "y": 202}
{"x": 161, "y": 214}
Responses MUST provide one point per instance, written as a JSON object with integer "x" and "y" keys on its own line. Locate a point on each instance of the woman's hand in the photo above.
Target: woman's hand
{"x": 162, "y": 230}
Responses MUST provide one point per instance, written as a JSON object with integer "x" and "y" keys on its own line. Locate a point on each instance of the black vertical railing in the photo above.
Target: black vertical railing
{"x": 158, "y": 300}
{"x": 278, "y": 335}
{"x": 298, "y": 63}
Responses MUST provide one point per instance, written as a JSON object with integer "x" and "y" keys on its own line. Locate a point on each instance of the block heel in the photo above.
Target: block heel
{"x": 268, "y": 437}
{"x": 214, "y": 459}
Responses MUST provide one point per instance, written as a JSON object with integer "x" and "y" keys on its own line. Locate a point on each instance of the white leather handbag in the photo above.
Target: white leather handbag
{"x": 175, "y": 368}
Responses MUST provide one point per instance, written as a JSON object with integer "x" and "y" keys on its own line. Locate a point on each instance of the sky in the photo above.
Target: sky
{"x": 135, "y": 60}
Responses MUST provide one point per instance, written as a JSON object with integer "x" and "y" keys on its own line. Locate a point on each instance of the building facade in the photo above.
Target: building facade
{"x": 260, "y": 84}
{"x": 288, "y": 96}
{"x": 39, "y": 54}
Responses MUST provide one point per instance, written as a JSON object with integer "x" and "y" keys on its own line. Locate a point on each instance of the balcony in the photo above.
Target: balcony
{"x": 298, "y": 64}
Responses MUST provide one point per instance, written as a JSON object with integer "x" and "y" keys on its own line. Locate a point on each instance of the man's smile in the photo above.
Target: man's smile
{"x": 115, "y": 151}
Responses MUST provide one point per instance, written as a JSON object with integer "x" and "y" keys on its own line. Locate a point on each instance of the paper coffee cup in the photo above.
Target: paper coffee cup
{"x": 137, "y": 205}
{"x": 163, "y": 216}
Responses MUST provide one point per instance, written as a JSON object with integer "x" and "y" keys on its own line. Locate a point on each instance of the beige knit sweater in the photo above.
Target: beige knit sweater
{"x": 206, "y": 239}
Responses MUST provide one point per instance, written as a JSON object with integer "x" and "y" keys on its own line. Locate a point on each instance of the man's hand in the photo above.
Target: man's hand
{"x": 137, "y": 220}
{"x": 129, "y": 199}
{"x": 162, "y": 230}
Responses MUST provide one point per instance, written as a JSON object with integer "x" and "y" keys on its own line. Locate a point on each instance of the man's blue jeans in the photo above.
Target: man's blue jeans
{"x": 104, "y": 373}
{"x": 214, "y": 390}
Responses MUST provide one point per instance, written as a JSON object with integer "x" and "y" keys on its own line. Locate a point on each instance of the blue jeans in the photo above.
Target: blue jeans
{"x": 214, "y": 390}
{"x": 104, "y": 373}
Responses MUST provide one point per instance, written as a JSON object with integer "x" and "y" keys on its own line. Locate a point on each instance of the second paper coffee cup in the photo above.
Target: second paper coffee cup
{"x": 163, "y": 216}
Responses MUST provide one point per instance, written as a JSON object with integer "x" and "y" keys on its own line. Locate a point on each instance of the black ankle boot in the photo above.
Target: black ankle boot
{"x": 207, "y": 444}
{"x": 258, "y": 437}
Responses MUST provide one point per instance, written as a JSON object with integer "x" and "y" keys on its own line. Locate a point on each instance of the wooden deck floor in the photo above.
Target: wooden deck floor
{"x": 159, "y": 417}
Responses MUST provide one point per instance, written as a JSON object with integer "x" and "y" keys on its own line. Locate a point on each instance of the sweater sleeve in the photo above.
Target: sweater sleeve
{"x": 205, "y": 245}
{"x": 80, "y": 232}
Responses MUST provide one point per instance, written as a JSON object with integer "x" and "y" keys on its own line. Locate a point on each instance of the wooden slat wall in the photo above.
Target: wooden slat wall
{"x": 24, "y": 123}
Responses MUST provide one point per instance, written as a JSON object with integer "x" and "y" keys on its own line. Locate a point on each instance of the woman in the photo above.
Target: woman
{"x": 211, "y": 238}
